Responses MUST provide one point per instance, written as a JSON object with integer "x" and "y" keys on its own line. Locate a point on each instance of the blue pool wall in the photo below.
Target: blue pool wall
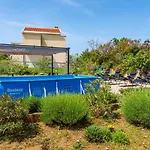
{"x": 23, "y": 86}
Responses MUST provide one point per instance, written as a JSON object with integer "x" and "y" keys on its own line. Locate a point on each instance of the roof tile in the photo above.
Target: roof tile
{"x": 54, "y": 30}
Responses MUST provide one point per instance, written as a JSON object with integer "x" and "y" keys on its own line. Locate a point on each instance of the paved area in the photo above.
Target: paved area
{"x": 116, "y": 87}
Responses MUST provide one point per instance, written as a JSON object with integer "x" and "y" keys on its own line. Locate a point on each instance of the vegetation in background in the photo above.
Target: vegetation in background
{"x": 125, "y": 54}
{"x": 65, "y": 109}
{"x": 4, "y": 57}
{"x": 43, "y": 63}
{"x": 9, "y": 67}
{"x": 42, "y": 66}
{"x": 136, "y": 107}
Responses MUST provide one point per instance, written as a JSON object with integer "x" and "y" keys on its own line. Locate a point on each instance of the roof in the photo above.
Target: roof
{"x": 30, "y": 49}
{"x": 55, "y": 30}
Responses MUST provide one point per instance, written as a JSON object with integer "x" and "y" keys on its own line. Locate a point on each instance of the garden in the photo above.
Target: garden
{"x": 99, "y": 119}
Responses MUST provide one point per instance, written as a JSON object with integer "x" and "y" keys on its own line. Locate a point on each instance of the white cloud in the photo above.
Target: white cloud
{"x": 88, "y": 11}
{"x": 71, "y": 2}
{"x": 16, "y": 23}
{"x": 67, "y": 33}
{"x": 79, "y": 6}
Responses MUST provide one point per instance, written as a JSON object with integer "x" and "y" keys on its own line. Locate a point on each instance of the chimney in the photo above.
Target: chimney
{"x": 56, "y": 27}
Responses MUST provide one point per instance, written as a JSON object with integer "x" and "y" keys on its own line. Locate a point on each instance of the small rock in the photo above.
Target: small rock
{"x": 142, "y": 129}
{"x": 78, "y": 141}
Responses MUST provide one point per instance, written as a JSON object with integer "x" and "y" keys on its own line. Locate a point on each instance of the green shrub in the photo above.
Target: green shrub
{"x": 101, "y": 96}
{"x": 11, "y": 128}
{"x": 11, "y": 111}
{"x": 120, "y": 137}
{"x": 9, "y": 67}
{"x": 128, "y": 90}
{"x": 136, "y": 107}
{"x": 77, "y": 145}
{"x": 43, "y": 63}
{"x": 95, "y": 133}
{"x": 33, "y": 104}
{"x": 12, "y": 116}
{"x": 102, "y": 100}
{"x": 64, "y": 109}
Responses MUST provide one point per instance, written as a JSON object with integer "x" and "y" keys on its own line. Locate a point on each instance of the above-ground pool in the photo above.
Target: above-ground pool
{"x": 22, "y": 86}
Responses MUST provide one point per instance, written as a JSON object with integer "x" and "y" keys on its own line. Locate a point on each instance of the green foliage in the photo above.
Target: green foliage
{"x": 11, "y": 128}
{"x": 101, "y": 96}
{"x": 60, "y": 70}
{"x": 128, "y": 90}
{"x": 125, "y": 54}
{"x": 99, "y": 72}
{"x": 19, "y": 69}
{"x": 65, "y": 109}
{"x": 11, "y": 111}
{"x": 120, "y": 137}
{"x": 78, "y": 145}
{"x": 9, "y": 67}
{"x": 95, "y": 133}
{"x": 140, "y": 61}
{"x": 43, "y": 63}
{"x": 102, "y": 101}
{"x": 136, "y": 107}
{"x": 34, "y": 104}
{"x": 3, "y": 57}
{"x": 13, "y": 114}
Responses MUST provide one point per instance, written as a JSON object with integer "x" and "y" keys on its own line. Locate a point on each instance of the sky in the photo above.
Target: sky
{"x": 80, "y": 20}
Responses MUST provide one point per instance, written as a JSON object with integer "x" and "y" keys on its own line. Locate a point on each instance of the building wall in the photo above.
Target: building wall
{"x": 31, "y": 39}
{"x": 47, "y": 40}
{"x": 53, "y": 40}
{"x": 56, "y": 41}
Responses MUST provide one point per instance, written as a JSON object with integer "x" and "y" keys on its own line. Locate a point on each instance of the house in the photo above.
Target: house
{"x": 50, "y": 37}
